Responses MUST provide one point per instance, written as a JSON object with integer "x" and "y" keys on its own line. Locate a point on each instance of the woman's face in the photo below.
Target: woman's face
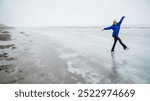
{"x": 114, "y": 23}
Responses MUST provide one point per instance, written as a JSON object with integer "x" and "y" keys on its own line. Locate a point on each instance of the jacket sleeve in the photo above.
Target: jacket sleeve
{"x": 119, "y": 23}
{"x": 108, "y": 28}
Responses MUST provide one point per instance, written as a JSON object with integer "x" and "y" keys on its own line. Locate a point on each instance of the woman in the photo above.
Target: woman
{"x": 116, "y": 28}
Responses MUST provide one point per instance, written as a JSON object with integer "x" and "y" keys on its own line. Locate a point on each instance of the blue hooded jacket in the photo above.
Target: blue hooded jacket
{"x": 115, "y": 28}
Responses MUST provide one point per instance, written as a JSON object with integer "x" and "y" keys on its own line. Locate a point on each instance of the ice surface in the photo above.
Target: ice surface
{"x": 82, "y": 55}
{"x": 87, "y": 53}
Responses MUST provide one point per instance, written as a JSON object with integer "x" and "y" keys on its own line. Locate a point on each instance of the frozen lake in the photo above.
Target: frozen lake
{"x": 81, "y": 55}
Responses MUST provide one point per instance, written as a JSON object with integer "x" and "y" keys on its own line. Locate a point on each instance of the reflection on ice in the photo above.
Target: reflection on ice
{"x": 114, "y": 64}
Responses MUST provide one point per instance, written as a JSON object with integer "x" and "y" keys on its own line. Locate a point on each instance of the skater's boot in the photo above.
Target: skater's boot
{"x": 126, "y": 48}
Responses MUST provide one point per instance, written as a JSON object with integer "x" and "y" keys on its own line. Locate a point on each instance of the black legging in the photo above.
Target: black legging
{"x": 115, "y": 41}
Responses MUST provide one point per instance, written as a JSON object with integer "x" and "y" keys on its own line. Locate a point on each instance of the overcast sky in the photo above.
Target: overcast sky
{"x": 72, "y": 12}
